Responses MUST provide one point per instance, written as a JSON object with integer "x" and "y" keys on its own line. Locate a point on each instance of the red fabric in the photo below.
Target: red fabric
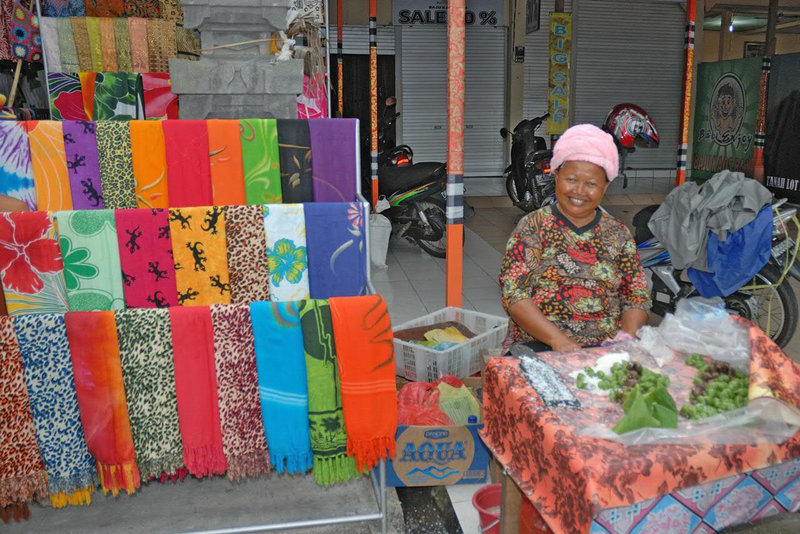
{"x": 188, "y": 164}
{"x": 196, "y": 389}
{"x": 159, "y": 100}
{"x": 145, "y": 255}
{"x": 26, "y": 251}
{"x": 96, "y": 363}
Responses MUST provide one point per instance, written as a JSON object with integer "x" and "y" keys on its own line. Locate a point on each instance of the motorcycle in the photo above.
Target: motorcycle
{"x": 528, "y": 181}
{"x": 768, "y": 300}
{"x": 415, "y": 192}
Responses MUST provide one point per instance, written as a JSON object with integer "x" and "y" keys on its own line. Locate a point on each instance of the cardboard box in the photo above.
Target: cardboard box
{"x": 439, "y": 455}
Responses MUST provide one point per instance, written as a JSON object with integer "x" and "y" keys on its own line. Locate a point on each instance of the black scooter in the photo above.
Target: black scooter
{"x": 415, "y": 191}
{"x": 527, "y": 179}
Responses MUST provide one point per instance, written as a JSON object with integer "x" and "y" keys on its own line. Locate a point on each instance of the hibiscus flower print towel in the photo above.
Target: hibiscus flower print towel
{"x": 30, "y": 264}
{"x": 287, "y": 257}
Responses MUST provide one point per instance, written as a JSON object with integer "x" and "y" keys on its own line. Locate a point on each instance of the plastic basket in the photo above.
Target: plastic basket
{"x": 422, "y": 364}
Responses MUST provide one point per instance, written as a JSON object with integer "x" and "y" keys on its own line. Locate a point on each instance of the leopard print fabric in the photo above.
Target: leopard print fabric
{"x": 22, "y": 474}
{"x": 45, "y": 352}
{"x": 116, "y": 165}
{"x": 145, "y": 347}
{"x": 243, "y": 440}
{"x": 248, "y": 269}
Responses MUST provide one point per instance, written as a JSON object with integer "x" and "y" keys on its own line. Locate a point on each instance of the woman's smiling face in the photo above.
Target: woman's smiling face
{"x": 580, "y": 187}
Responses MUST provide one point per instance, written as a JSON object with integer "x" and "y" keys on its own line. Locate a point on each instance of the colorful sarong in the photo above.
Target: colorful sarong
{"x": 83, "y": 166}
{"x": 225, "y": 155}
{"x": 16, "y": 173}
{"x": 285, "y": 227}
{"x": 187, "y": 163}
{"x": 116, "y": 164}
{"x": 261, "y": 163}
{"x": 149, "y": 164}
{"x": 48, "y": 160}
{"x": 333, "y": 144}
{"x": 248, "y": 267}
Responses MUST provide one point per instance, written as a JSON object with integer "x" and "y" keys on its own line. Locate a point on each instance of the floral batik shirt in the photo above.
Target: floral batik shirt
{"x": 582, "y": 279}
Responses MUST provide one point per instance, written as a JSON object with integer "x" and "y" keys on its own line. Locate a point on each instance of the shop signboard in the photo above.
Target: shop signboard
{"x": 726, "y": 110}
{"x": 558, "y": 72}
{"x": 479, "y": 13}
{"x": 782, "y": 150}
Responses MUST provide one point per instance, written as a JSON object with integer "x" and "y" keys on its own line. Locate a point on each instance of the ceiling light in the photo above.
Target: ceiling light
{"x": 730, "y": 28}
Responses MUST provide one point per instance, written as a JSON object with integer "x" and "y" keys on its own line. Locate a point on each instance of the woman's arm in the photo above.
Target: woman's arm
{"x": 531, "y": 319}
{"x": 633, "y": 319}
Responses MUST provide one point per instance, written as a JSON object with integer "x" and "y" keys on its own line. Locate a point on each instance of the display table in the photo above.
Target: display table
{"x": 582, "y": 484}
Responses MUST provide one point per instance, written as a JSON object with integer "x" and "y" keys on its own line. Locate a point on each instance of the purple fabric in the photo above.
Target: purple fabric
{"x": 333, "y": 159}
{"x": 80, "y": 145}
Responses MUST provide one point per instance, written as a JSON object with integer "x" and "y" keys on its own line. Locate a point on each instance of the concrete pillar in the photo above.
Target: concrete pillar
{"x": 724, "y": 34}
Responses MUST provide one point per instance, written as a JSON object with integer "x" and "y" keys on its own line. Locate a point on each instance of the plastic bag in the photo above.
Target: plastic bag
{"x": 764, "y": 420}
{"x": 458, "y": 403}
{"x": 700, "y": 326}
{"x": 418, "y": 404}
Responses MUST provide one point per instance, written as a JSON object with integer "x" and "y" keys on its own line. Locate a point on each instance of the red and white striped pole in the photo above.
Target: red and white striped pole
{"x": 456, "y": 39}
{"x": 688, "y": 78}
{"x": 761, "y": 121}
{"x": 373, "y": 96}
{"x": 339, "y": 60}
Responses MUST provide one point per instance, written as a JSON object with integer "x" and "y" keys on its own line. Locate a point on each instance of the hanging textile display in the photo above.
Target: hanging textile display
{"x": 118, "y": 96}
{"x": 137, "y": 30}
{"x": 337, "y": 253}
{"x": 66, "y": 96}
{"x": 145, "y": 253}
{"x": 225, "y": 157}
{"x": 88, "y": 241}
{"x": 282, "y": 384}
{"x": 66, "y": 45}
{"x": 159, "y": 100}
{"x": 248, "y": 267}
{"x": 149, "y": 9}
{"x": 196, "y": 389}
{"x": 285, "y": 228}
{"x": 363, "y": 335}
{"x": 23, "y": 477}
{"x": 47, "y": 363}
{"x": 201, "y": 267}
{"x": 81, "y": 37}
{"x": 24, "y": 37}
{"x": 80, "y": 146}
{"x": 171, "y": 10}
{"x": 312, "y": 104}
{"x": 88, "y": 83}
{"x": 105, "y": 8}
{"x": 30, "y": 264}
{"x": 123, "y": 45}
{"x": 294, "y": 148}
{"x": 325, "y": 416}
{"x": 188, "y": 163}
{"x": 95, "y": 48}
{"x": 6, "y": 7}
{"x": 16, "y": 173}
{"x": 47, "y": 28}
{"x": 94, "y": 345}
{"x": 243, "y": 440}
{"x": 334, "y": 163}
{"x": 161, "y": 44}
{"x": 108, "y": 41}
{"x": 148, "y": 372}
{"x": 63, "y": 8}
{"x": 116, "y": 164}
{"x": 48, "y": 160}
{"x": 149, "y": 164}
{"x": 262, "y": 172}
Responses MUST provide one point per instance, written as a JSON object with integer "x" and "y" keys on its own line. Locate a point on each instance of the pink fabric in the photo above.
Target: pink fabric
{"x": 586, "y": 142}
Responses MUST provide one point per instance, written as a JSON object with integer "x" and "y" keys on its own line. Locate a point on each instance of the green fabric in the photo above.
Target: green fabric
{"x": 325, "y": 416}
{"x": 118, "y": 96}
{"x": 123, "y": 42}
{"x": 95, "y": 48}
{"x": 148, "y": 371}
{"x": 66, "y": 45}
{"x": 88, "y": 240}
{"x": 262, "y": 169}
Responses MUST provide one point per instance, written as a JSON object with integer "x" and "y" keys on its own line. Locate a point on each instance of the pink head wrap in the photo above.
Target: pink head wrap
{"x": 586, "y": 142}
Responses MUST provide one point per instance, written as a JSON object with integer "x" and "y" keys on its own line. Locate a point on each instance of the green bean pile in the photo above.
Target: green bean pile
{"x": 717, "y": 388}
{"x": 622, "y": 377}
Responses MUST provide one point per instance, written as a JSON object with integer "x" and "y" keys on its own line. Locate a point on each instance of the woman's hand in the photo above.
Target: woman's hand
{"x": 567, "y": 345}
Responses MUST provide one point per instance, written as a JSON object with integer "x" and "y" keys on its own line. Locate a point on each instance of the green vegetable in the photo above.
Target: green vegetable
{"x": 580, "y": 381}
{"x": 655, "y": 409}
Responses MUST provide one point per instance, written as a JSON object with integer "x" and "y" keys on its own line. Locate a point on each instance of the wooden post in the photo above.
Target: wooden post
{"x": 456, "y": 42}
{"x": 510, "y": 506}
{"x": 772, "y": 22}
{"x": 725, "y": 34}
{"x": 373, "y": 96}
{"x": 688, "y": 78}
{"x": 559, "y": 6}
{"x": 339, "y": 60}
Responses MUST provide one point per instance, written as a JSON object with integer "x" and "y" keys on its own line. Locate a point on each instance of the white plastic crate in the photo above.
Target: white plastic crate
{"x": 422, "y": 364}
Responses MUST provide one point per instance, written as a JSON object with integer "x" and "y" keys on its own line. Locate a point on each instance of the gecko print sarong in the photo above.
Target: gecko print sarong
{"x": 83, "y": 166}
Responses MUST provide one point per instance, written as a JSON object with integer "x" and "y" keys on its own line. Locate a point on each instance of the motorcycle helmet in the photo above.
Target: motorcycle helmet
{"x": 631, "y": 125}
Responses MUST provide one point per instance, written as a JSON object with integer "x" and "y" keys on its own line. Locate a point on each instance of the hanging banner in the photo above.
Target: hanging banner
{"x": 558, "y": 73}
{"x": 485, "y": 13}
{"x": 726, "y": 112}
{"x": 782, "y": 150}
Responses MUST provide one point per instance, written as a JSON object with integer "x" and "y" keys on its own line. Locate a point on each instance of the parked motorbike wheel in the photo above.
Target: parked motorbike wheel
{"x": 526, "y": 204}
{"x": 436, "y": 213}
{"x": 755, "y": 305}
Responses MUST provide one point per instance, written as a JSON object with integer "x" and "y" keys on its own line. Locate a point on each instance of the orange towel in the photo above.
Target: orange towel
{"x": 96, "y": 363}
{"x": 362, "y": 332}
{"x": 49, "y": 161}
{"x": 225, "y": 153}
{"x": 149, "y": 164}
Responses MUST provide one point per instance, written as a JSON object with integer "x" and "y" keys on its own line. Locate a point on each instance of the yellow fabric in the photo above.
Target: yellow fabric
{"x": 447, "y": 335}
{"x": 76, "y": 498}
{"x": 95, "y": 48}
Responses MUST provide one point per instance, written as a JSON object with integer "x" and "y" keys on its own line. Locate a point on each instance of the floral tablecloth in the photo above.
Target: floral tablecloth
{"x": 573, "y": 480}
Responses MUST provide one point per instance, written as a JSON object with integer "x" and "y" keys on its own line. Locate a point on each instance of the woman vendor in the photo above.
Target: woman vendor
{"x": 571, "y": 276}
